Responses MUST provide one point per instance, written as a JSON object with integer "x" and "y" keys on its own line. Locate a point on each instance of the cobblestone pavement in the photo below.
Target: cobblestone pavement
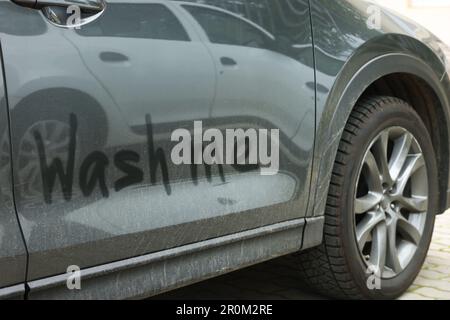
{"x": 277, "y": 279}
{"x": 434, "y": 280}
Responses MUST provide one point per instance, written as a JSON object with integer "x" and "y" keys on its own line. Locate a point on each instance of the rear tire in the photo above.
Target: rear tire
{"x": 345, "y": 265}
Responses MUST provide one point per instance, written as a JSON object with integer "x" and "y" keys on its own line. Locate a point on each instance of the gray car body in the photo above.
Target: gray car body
{"x": 157, "y": 235}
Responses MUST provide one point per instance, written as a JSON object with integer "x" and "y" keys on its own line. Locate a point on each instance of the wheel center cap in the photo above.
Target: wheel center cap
{"x": 385, "y": 203}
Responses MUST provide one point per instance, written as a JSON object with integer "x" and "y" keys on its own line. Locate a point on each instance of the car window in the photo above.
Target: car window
{"x": 147, "y": 21}
{"x": 286, "y": 21}
{"x": 223, "y": 28}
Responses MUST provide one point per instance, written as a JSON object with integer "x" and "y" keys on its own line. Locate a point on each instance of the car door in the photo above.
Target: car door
{"x": 264, "y": 61}
{"x": 92, "y": 114}
{"x": 92, "y": 110}
{"x": 118, "y": 41}
{"x": 12, "y": 248}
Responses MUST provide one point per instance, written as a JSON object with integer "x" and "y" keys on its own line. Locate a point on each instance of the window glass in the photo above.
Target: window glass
{"x": 224, "y": 28}
{"x": 147, "y": 21}
{"x": 282, "y": 26}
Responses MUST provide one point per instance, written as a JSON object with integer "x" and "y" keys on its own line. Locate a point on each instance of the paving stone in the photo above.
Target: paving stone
{"x": 430, "y": 274}
{"x": 436, "y": 284}
{"x": 414, "y": 296}
{"x": 442, "y": 269}
{"x": 430, "y": 292}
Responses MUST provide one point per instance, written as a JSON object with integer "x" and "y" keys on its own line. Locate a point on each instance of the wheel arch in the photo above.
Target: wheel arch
{"x": 403, "y": 75}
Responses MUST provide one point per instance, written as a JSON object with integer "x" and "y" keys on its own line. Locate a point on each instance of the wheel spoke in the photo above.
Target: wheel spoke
{"x": 392, "y": 253}
{"x": 415, "y": 204}
{"x": 408, "y": 231}
{"x": 380, "y": 151}
{"x": 379, "y": 247}
{"x": 367, "y": 202}
{"x": 372, "y": 173}
{"x": 365, "y": 227}
{"x": 399, "y": 155}
{"x": 412, "y": 164}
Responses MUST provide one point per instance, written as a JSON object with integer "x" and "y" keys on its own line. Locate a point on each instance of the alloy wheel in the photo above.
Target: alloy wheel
{"x": 391, "y": 202}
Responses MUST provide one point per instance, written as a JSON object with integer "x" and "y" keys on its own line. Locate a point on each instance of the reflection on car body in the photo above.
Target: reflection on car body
{"x": 86, "y": 131}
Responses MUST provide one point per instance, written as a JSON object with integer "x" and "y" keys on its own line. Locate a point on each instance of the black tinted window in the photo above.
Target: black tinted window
{"x": 148, "y": 21}
{"x": 224, "y": 28}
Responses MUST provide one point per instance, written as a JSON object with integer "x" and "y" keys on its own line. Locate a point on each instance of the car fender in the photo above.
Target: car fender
{"x": 400, "y": 54}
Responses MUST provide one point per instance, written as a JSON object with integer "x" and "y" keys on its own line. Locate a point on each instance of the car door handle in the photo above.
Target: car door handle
{"x": 228, "y": 62}
{"x": 113, "y": 57}
{"x": 67, "y": 13}
{"x": 86, "y": 6}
